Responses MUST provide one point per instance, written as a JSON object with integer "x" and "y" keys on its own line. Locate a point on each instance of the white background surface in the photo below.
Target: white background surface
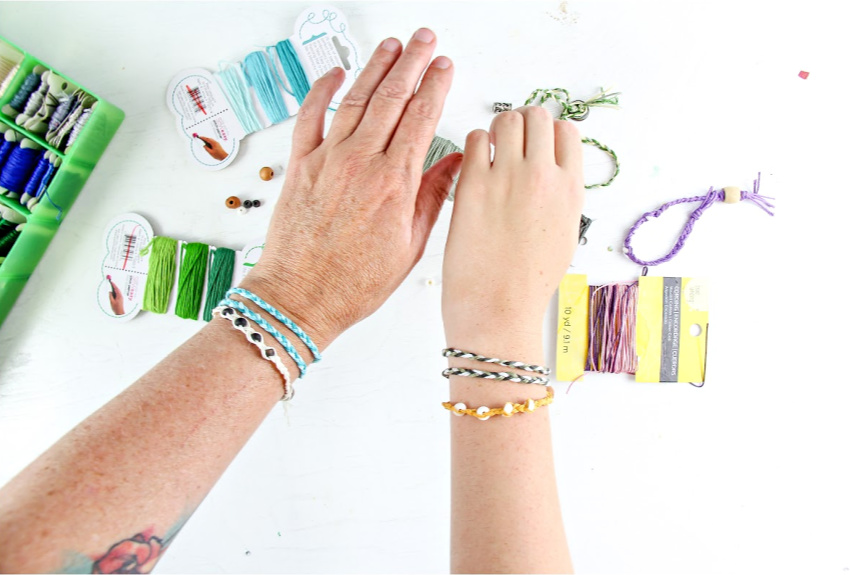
{"x": 748, "y": 474}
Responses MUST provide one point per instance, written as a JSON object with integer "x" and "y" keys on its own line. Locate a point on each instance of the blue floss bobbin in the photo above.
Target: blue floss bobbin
{"x": 18, "y": 168}
{"x": 46, "y": 179}
{"x": 10, "y": 142}
{"x": 31, "y": 189}
{"x": 260, "y": 76}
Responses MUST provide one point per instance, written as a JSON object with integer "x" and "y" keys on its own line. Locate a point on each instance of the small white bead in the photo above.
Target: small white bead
{"x": 242, "y": 210}
{"x": 481, "y": 411}
{"x": 531, "y": 405}
{"x": 508, "y": 409}
{"x": 459, "y": 406}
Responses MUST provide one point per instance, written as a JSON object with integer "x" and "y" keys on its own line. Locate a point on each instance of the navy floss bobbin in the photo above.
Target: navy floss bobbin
{"x": 259, "y": 75}
{"x": 293, "y": 70}
{"x": 19, "y": 168}
{"x": 37, "y": 175}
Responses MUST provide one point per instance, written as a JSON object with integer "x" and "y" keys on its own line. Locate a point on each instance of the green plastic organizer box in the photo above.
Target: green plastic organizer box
{"x": 77, "y": 164}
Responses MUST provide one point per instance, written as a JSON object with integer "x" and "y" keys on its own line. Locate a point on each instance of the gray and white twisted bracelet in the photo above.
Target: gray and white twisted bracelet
{"x": 454, "y": 352}
{"x": 497, "y": 375}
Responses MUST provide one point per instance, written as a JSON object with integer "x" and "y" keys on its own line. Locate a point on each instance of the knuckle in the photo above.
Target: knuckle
{"x": 477, "y": 136}
{"x": 392, "y": 90}
{"x": 355, "y": 99}
{"x": 536, "y": 112}
{"x": 509, "y": 118}
{"x": 567, "y": 128}
{"x": 424, "y": 108}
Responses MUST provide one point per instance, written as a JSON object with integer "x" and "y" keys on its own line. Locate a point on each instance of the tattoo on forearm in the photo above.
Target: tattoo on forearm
{"x": 138, "y": 554}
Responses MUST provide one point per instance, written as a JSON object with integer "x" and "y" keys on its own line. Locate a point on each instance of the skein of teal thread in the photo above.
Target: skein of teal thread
{"x": 259, "y": 75}
{"x": 293, "y": 70}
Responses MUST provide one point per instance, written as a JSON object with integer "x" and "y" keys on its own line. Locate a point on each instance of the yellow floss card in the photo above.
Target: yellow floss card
{"x": 672, "y": 328}
{"x": 571, "y": 346}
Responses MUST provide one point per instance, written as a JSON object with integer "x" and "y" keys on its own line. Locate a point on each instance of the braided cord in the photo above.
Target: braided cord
{"x": 279, "y": 317}
{"x": 266, "y": 352}
{"x": 579, "y": 110}
{"x": 454, "y": 352}
{"x": 611, "y": 153}
{"x": 706, "y": 201}
{"x": 293, "y": 353}
{"x": 496, "y": 375}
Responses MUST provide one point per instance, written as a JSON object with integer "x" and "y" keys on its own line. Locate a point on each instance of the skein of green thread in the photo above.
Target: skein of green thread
{"x": 161, "y": 270}
{"x": 190, "y": 286}
{"x": 220, "y": 278}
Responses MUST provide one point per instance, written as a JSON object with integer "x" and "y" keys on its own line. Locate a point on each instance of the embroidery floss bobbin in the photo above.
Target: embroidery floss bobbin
{"x": 162, "y": 268}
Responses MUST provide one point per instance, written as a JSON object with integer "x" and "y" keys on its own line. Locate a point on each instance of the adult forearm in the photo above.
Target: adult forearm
{"x": 505, "y": 511}
{"x": 139, "y": 466}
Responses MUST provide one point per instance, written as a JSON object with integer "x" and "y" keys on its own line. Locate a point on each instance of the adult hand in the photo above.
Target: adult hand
{"x": 116, "y": 298}
{"x": 514, "y": 227}
{"x": 213, "y": 148}
{"x": 356, "y": 209}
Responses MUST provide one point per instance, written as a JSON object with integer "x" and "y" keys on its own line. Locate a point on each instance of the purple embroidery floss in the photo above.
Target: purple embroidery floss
{"x": 612, "y": 328}
{"x": 728, "y": 194}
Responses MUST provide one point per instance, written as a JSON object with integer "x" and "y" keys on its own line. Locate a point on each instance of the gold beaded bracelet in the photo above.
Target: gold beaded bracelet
{"x": 484, "y": 413}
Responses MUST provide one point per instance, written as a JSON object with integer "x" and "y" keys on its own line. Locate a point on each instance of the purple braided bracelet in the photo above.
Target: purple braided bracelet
{"x": 705, "y": 202}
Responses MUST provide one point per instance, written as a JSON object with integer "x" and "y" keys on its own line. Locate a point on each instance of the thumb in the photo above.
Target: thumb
{"x": 433, "y": 191}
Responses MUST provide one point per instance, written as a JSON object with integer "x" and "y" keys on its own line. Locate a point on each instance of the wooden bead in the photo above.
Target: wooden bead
{"x": 732, "y": 194}
{"x": 232, "y": 202}
{"x": 266, "y": 174}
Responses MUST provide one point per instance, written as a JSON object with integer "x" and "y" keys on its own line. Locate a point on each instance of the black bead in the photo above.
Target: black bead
{"x": 247, "y": 204}
{"x": 227, "y": 311}
{"x": 256, "y": 203}
{"x": 269, "y": 352}
{"x": 240, "y": 322}
{"x": 257, "y": 337}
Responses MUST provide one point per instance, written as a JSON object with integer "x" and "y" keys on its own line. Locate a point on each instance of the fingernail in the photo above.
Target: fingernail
{"x": 441, "y": 62}
{"x": 335, "y": 71}
{"x": 424, "y": 35}
{"x": 391, "y": 45}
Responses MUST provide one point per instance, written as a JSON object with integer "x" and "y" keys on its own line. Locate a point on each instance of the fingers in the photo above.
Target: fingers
{"x": 419, "y": 120}
{"x": 476, "y": 153}
{"x": 433, "y": 191}
{"x": 354, "y": 103}
{"x": 568, "y": 152}
{"x": 310, "y": 122}
{"x": 476, "y": 163}
{"x": 507, "y": 132}
{"x": 390, "y": 98}
{"x": 539, "y": 133}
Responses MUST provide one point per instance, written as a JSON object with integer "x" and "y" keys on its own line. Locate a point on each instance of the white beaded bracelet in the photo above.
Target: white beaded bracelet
{"x": 256, "y": 339}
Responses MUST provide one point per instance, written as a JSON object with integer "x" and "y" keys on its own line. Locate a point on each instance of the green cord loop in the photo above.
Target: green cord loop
{"x": 578, "y": 110}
